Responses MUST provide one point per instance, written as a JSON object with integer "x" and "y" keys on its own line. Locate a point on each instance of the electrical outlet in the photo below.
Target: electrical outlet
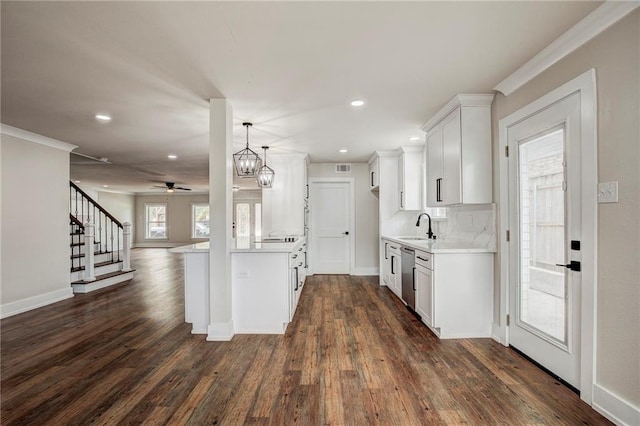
{"x": 243, "y": 274}
{"x": 608, "y": 192}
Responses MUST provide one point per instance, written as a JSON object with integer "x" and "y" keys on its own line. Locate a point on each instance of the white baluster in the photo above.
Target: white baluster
{"x": 89, "y": 261}
{"x": 126, "y": 246}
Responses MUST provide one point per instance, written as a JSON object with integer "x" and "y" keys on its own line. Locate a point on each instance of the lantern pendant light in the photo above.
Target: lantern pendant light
{"x": 265, "y": 174}
{"x": 247, "y": 162}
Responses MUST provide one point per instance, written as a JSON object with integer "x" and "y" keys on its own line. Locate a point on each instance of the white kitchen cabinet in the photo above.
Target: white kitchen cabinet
{"x": 410, "y": 178}
{"x": 374, "y": 173}
{"x": 392, "y": 268}
{"x": 424, "y": 287}
{"x": 459, "y": 152}
{"x": 283, "y": 205}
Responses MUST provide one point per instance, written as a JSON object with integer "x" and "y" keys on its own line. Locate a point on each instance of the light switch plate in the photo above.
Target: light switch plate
{"x": 243, "y": 274}
{"x": 608, "y": 192}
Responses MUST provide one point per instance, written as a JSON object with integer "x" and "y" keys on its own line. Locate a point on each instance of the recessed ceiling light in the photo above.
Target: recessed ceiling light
{"x": 414, "y": 138}
{"x": 103, "y": 117}
{"x": 343, "y": 150}
{"x": 76, "y": 181}
{"x": 357, "y": 103}
{"x": 235, "y": 188}
{"x": 172, "y": 157}
{"x": 105, "y": 186}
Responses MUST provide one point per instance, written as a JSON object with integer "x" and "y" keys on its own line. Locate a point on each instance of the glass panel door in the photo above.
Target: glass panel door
{"x": 243, "y": 220}
{"x": 542, "y": 298}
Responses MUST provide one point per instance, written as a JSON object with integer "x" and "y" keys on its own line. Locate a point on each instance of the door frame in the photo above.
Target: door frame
{"x": 352, "y": 217}
{"x": 585, "y": 86}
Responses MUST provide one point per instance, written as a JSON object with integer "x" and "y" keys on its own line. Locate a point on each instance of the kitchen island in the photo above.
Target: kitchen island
{"x": 267, "y": 279}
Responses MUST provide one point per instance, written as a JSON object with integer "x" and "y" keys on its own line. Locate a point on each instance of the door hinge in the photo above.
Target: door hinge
{"x": 508, "y": 235}
{"x": 506, "y": 151}
{"x": 508, "y": 320}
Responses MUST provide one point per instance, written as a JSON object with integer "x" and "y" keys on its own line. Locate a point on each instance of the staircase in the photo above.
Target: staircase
{"x": 99, "y": 243}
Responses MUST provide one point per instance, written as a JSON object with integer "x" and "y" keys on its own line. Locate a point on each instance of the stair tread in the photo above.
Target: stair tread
{"x": 76, "y": 256}
{"x": 97, "y": 265}
{"x": 103, "y": 277}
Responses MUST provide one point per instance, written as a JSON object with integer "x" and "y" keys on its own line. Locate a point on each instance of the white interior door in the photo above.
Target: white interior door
{"x": 545, "y": 214}
{"x": 331, "y": 234}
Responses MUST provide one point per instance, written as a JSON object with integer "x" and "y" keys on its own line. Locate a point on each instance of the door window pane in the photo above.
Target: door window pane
{"x": 542, "y": 288}
{"x": 200, "y": 220}
{"x": 156, "y": 221}
{"x": 243, "y": 220}
{"x": 258, "y": 220}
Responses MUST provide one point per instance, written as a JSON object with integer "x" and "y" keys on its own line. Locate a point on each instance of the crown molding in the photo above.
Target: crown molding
{"x": 36, "y": 138}
{"x": 590, "y": 26}
{"x": 459, "y": 100}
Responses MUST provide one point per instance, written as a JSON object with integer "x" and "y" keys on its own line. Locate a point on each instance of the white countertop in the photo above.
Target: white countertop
{"x": 441, "y": 246}
{"x": 243, "y": 245}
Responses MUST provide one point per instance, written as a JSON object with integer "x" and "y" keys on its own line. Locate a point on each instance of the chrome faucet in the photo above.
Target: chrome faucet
{"x": 430, "y": 233}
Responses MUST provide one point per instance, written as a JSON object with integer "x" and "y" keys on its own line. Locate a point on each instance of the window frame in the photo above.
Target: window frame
{"x": 193, "y": 220}
{"x": 147, "y": 234}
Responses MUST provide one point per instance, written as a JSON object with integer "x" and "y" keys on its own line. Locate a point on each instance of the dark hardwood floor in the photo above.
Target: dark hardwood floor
{"x": 352, "y": 356}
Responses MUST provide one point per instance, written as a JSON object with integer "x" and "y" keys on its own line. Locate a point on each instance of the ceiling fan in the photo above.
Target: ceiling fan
{"x": 171, "y": 187}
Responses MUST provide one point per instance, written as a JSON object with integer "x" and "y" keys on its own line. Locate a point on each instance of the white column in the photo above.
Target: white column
{"x": 126, "y": 247}
{"x": 89, "y": 261}
{"x": 220, "y": 204}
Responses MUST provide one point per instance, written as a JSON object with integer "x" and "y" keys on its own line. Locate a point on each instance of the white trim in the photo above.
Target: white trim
{"x": 220, "y": 332}
{"x": 146, "y": 220}
{"x": 34, "y": 302}
{"x": 102, "y": 283}
{"x": 365, "y": 271}
{"x": 614, "y": 408}
{"x": 585, "y": 84}
{"x": 193, "y": 220}
{"x": 161, "y": 244}
{"x": 459, "y": 100}
{"x": 589, "y": 27}
{"x": 36, "y": 138}
{"x": 352, "y": 214}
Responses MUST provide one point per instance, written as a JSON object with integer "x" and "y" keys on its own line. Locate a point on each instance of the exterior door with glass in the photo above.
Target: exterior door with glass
{"x": 247, "y": 219}
{"x": 545, "y": 215}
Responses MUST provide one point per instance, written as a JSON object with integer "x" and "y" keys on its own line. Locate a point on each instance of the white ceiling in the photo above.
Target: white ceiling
{"x": 290, "y": 68}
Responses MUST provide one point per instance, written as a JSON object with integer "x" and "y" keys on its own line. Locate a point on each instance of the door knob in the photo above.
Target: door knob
{"x": 573, "y": 265}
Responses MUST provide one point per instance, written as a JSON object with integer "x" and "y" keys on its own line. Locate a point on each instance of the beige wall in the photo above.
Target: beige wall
{"x": 615, "y": 54}
{"x": 35, "y": 220}
{"x": 366, "y": 213}
{"x": 121, "y": 206}
{"x": 178, "y": 218}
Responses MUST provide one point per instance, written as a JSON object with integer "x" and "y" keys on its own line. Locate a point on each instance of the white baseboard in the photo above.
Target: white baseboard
{"x": 365, "y": 271}
{"x": 199, "y": 330}
{"x": 30, "y": 303}
{"x": 615, "y": 408}
{"x": 220, "y": 332}
{"x": 100, "y": 284}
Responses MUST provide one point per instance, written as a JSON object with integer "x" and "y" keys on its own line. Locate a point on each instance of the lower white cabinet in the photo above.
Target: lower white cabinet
{"x": 455, "y": 297}
{"x": 424, "y": 287}
{"x": 391, "y": 268}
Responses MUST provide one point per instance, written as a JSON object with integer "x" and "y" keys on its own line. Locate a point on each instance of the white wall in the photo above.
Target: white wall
{"x": 366, "y": 213}
{"x": 178, "y": 219}
{"x": 35, "y": 225}
{"x": 121, "y": 206}
{"x": 615, "y": 54}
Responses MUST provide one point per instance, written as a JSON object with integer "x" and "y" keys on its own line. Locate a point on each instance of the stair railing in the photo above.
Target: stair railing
{"x": 76, "y": 233}
{"x": 109, "y": 236}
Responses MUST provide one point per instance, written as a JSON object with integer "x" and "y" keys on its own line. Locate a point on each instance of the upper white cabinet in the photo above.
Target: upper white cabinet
{"x": 374, "y": 173}
{"x": 459, "y": 152}
{"x": 283, "y": 205}
{"x": 410, "y": 178}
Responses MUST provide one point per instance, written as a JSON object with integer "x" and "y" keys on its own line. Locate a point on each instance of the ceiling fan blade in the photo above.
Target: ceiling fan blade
{"x": 183, "y": 189}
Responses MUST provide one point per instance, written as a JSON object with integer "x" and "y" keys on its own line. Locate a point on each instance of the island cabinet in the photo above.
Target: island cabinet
{"x": 458, "y": 144}
{"x": 283, "y": 205}
{"x": 454, "y": 301}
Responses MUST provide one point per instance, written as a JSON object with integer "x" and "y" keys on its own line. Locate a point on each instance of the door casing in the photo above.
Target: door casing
{"x": 585, "y": 86}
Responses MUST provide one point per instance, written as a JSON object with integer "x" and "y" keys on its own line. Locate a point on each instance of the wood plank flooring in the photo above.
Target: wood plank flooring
{"x": 352, "y": 356}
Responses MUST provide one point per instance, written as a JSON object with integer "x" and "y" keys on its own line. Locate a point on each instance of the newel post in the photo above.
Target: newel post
{"x": 89, "y": 261}
{"x": 126, "y": 246}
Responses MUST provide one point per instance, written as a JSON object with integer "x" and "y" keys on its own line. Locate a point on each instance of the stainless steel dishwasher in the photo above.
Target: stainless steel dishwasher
{"x": 408, "y": 277}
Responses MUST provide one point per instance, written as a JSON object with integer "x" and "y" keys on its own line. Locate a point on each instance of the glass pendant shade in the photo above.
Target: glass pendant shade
{"x": 246, "y": 161}
{"x": 265, "y": 175}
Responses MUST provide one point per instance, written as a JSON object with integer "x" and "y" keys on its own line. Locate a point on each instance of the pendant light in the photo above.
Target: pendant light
{"x": 265, "y": 174}
{"x": 246, "y": 160}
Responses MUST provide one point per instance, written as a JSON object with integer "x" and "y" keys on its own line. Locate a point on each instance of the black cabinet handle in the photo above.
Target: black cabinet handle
{"x": 392, "y": 256}
{"x": 386, "y": 255}
{"x": 414, "y": 278}
{"x": 297, "y": 280}
{"x": 401, "y": 199}
{"x": 307, "y": 191}
{"x": 371, "y": 178}
{"x": 421, "y": 258}
{"x": 438, "y": 184}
